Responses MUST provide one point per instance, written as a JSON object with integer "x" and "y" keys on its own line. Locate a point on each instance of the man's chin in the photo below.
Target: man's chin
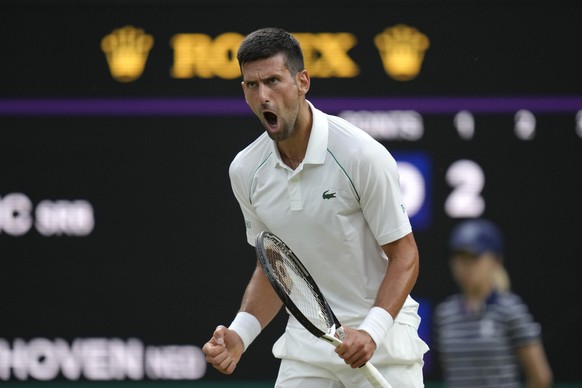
{"x": 273, "y": 132}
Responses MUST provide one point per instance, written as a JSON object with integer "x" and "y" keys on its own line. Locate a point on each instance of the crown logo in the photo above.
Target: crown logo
{"x": 126, "y": 50}
{"x": 402, "y": 50}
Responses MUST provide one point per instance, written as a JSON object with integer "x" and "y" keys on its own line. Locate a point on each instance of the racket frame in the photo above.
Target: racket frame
{"x": 284, "y": 296}
{"x": 370, "y": 372}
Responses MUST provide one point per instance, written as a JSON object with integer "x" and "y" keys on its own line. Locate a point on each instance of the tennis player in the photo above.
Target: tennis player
{"x": 332, "y": 193}
{"x": 486, "y": 336}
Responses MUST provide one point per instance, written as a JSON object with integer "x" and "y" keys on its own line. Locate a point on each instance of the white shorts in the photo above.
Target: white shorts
{"x": 307, "y": 361}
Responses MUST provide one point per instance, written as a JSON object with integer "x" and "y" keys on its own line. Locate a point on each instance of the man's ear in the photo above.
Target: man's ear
{"x": 242, "y": 85}
{"x": 303, "y": 81}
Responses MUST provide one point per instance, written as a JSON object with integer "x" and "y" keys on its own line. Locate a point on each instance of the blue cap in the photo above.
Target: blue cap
{"x": 477, "y": 236}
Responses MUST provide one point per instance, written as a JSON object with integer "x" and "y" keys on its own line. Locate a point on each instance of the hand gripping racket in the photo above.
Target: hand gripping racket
{"x": 302, "y": 297}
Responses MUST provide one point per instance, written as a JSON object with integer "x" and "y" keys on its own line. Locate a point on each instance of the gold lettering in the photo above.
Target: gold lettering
{"x": 189, "y": 53}
{"x": 326, "y": 54}
{"x": 197, "y": 55}
{"x": 224, "y": 51}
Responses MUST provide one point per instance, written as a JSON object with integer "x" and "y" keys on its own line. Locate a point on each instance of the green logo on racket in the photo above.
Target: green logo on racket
{"x": 328, "y": 196}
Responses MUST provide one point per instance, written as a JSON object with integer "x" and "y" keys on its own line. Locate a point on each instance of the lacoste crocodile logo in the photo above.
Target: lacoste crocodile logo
{"x": 327, "y": 195}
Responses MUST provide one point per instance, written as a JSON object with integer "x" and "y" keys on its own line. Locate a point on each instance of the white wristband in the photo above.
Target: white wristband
{"x": 247, "y": 326}
{"x": 377, "y": 323}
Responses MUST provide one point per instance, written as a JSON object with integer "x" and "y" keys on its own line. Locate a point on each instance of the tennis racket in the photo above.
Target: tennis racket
{"x": 302, "y": 297}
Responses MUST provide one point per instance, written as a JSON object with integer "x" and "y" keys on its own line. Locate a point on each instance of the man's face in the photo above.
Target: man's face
{"x": 472, "y": 272}
{"x": 274, "y": 94}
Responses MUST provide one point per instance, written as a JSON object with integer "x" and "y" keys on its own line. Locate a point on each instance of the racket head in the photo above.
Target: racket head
{"x": 294, "y": 285}
{"x": 301, "y": 295}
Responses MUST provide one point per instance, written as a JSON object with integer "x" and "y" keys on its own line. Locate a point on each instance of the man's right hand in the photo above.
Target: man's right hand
{"x": 224, "y": 350}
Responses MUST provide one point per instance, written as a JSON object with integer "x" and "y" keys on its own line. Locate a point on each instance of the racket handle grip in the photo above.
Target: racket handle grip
{"x": 374, "y": 376}
{"x": 370, "y": 372}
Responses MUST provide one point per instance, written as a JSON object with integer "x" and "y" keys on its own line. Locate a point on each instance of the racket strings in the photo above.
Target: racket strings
{"x": 292, "y": 279}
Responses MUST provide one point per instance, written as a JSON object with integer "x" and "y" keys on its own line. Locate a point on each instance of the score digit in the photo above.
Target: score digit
{"x": 525, "y": 125}
{"x": 467, "y": 180}
{"x": 413, "y": 187}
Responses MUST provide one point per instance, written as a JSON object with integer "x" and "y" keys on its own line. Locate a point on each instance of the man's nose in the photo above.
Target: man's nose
{"x": 263, "y": 93}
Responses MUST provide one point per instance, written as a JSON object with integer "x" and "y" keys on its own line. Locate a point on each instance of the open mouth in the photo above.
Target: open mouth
{"x": 271, "y": 118}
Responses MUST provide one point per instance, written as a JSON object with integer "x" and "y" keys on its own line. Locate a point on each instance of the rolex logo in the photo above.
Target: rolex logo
{"x": 402, "y": 50}
{"x": 126, "y": 50}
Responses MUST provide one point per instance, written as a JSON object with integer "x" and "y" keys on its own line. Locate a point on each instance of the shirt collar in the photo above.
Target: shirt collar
{"x": 489, "y": 301}
{"x": 317, "y": 146}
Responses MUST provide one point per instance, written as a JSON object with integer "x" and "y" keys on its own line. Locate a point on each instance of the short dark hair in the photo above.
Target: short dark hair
{"x": 268, "y": 42}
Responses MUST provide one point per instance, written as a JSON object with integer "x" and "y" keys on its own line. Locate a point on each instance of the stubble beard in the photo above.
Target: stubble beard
{"x": 285, "y": 131}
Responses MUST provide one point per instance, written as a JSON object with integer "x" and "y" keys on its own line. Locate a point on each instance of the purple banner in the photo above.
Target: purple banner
{"x": 237, "y": 106}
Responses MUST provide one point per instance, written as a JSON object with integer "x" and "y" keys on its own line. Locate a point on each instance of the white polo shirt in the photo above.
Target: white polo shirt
{"x": 334, "y": 211}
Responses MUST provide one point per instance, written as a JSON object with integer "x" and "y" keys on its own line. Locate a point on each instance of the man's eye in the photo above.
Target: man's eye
{"x": 273, "y": 81}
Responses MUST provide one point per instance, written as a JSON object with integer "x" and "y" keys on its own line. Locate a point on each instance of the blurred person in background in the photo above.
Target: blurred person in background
{"x": 485, "y": 335}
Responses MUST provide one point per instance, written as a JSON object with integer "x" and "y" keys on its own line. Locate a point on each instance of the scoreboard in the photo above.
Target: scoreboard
{"x": 118, "y": 122}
